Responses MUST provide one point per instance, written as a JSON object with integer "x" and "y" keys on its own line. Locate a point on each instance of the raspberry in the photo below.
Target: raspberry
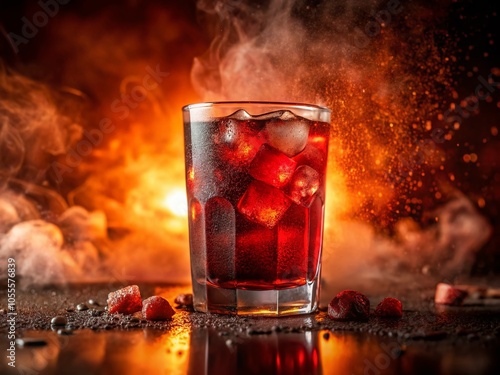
{"x": 389, "y": 308}
{"x": 349, "y": 305}
{"x": 157, "y": 308}
{"x": 126, "y": 300}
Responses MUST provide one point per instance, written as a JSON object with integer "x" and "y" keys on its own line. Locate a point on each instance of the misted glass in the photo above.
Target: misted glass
{"x": 255, "y": 175}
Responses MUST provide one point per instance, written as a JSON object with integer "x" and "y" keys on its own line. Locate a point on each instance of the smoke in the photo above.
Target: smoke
{"x": 125, "y": 231}
{"x": 255, "y": 57}
{"x": 384, "y": 68}
{"x": 33, "y": 131}
{"x": 378, "y": 65}
{"x": 115, "y": 213}
{"x": 310, "y": 51}
{"x": 360, "y": 257}
{"x": 48, "y": 240}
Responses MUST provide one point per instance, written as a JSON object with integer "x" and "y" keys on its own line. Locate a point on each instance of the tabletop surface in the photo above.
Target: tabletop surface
{"x": 428, "y": 339}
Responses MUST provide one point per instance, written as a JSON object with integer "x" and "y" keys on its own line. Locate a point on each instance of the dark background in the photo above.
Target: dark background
{"x": 91, "y": 46}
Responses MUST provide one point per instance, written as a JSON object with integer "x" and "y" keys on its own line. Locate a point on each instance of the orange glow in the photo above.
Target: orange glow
{"x": 175, "y": 202}
{"x": 245, "y": 150}
{"x": 340, "y": 353}
{"x": 191, "y": 174}
{"x": 195, "y": 211}
{"x": 383, "y": 156}
{"x": 282, "y": 177}
{"x": 156, "y": 194}
{"x": 142, "y": 178}
{"x": 166, "y": 352}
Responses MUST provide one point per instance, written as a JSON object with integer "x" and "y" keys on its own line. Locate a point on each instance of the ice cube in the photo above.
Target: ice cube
{"x": 263, "y": 204}
{"x": 220, "y": 234}
{"x": 313, "y": 157}
{"x": 282, "y": 115}
{"x": 238, "y": 140}
{"x": 276, "y": 115}
{"x": 240, "y": 114}
{"x": 255, "y": 252}
{"x": 293, "y": 246}
{"x": 272, "y": 167}
{"x": 287, "y": 133}
{"x": 227, "y": 132}
{"x": 303, "y": 185}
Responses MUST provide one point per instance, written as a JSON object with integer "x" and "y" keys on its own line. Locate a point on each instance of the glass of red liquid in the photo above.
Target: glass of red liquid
{"x": 255, "y": 175}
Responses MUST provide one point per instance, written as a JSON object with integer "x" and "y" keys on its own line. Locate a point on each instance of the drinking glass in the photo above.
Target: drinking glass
{"x": 255, "y": 176}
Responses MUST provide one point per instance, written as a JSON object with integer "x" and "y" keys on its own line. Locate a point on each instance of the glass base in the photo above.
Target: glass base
{"x": 299, "y": 300}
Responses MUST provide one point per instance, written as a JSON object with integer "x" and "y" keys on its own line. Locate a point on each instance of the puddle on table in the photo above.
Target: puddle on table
{"x": 206, "y": 351}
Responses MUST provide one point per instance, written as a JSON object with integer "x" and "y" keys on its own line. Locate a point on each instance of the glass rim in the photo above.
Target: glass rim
{"x": 304, "y": 106}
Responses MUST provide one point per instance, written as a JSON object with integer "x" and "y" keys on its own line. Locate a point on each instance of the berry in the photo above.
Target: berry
{"x": 349, "y": 305}
{"x": 157, "y": 308}
{"x": 126, "y": 300}
{"x": 389, "y": 308}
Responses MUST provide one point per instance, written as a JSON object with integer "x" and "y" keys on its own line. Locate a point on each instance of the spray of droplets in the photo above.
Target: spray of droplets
{"x": 385, "y": 70}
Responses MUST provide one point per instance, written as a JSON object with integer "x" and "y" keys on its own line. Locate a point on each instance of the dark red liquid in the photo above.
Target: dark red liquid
{"x": 256, "y": 196}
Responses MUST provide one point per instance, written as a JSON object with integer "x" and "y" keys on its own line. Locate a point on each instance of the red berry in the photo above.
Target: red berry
{"x": 157, "y": 308}
{"x": 349, "y": 305}
{"x": 389, "y": 308}
{"x": 126, "y": 300}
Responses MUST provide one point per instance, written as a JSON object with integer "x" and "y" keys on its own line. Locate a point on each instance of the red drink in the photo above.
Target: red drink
{"x": 255, "y": 187}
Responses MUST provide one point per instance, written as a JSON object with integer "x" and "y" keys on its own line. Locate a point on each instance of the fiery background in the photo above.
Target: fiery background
{"x": 91, "y": 143}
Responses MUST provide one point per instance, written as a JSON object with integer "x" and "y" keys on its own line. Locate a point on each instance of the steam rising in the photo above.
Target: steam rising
{"x": 444, "y": 250}
{"x": 111, "y": 215}
{"x": 32, "y": 130}
{"x": 385, "y": 83}
{"x": 390, "y": 208}
{"x": 49, "y": 241}
{"x": 257, "y": 56}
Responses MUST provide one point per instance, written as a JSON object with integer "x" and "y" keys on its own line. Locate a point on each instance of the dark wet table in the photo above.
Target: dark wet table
{"x": 427, "y": 340}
